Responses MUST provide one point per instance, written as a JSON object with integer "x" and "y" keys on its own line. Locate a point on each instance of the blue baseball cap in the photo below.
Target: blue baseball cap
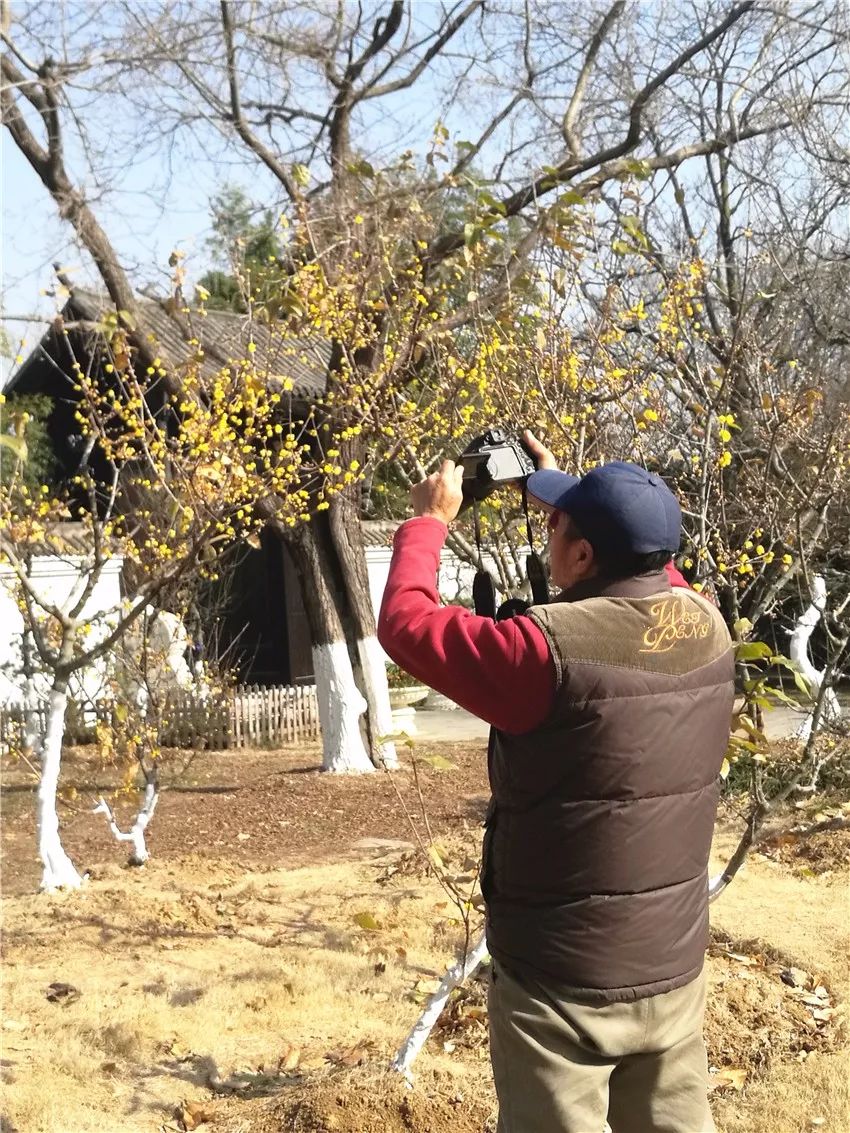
{"x": 619, "y": 507}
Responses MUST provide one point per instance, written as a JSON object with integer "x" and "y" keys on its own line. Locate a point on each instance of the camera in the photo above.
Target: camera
{"x": 493, "y": 459}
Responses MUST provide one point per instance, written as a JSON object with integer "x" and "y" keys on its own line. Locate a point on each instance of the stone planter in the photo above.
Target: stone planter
{"x": 439, "y": 703}
{"x": 404, "y": 721}
{"x": 406, "y": 696}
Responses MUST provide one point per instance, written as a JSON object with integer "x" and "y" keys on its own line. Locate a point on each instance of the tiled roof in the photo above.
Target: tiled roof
{"x": 74, "y": 539}
{"x": 224, "y": 336}
{"x": 379, "y": 532}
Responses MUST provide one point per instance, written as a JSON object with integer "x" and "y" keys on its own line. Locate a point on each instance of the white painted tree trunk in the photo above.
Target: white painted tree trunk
{"x": 32, "y": 727}
{"x": 58, "y": 871}
{"x": 31, "y": 699}
{"x": 136, "y": 834}
{"x": 798, "y": 650}
{"x": 375, "y": 674}
{"x": 341, "y": 704}
{"x": 423, "y": 1026}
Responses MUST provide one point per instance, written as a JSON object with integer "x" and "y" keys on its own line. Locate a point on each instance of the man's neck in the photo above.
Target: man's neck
{"x": 636, "y": 586}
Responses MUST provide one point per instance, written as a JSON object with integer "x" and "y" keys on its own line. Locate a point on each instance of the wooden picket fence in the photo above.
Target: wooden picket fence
{"x": 275, "y": 715}
{"x": 246, "y": 716}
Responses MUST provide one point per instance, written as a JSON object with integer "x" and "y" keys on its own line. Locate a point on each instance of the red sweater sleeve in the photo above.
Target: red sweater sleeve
{"x": 676, "y": 577}
{"x": 500, "y": 671}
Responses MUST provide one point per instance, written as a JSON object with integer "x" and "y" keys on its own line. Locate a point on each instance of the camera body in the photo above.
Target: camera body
{"x": 493, "y": 459}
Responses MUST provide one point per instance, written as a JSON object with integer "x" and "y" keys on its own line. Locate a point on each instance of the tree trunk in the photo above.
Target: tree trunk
{"x": 462, "y": 970}
{"x": 31, "y": 699}
{"x": 59, "y": 871}
{"x": 369, "y": 666}
{"x": 720, "y": 881}
{"x": 798, "y": 650}
{"x": 136, "y": 834}
{"x": 336, "y": 599}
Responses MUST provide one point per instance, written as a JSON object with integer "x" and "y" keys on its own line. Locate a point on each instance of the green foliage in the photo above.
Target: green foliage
{"x": 400, "y": 678}
{"x": 25, "y": 449}
{"x": 752, "y": 651}
{"x": 222, "y": 290}
{"x": 237, "y": 220}
{"x": 388, "y": 494}
{"x": 751, "y": 755}
{"x": 246, "y": 238}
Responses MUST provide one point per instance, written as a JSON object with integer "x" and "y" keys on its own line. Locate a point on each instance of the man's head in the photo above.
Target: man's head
{"x": 617, "y": 521}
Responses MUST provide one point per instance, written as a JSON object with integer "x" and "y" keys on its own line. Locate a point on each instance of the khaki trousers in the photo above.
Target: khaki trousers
{"x": 563, "y": 1066}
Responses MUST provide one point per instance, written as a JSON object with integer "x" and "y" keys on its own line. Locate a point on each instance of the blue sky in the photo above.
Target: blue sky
{"x": 160, "y": 186}
{"x": 145, "y": 230}
{"x": 156, "y": 204}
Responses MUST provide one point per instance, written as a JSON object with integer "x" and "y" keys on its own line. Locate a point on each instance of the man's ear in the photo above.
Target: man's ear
{"x": 586, "y": 558}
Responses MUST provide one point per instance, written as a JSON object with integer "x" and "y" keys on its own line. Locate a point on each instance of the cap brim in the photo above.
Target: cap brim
{"x": 549, "y": 486}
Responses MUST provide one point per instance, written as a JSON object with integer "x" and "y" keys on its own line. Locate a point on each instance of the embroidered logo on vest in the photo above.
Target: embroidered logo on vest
{"x": 675, "y": 621}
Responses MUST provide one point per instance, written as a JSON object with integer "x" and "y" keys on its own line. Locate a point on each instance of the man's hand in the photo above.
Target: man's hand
{"x": 441, "y": 494}
{"x": 542, "y": 455}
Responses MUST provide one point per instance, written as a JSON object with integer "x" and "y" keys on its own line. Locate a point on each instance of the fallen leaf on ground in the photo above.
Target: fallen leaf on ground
{"x": 314, "y": 1062}
{"x": 192, "y": 1114}
{"x": 795, "y": 977}
{"x": 173, "y": 1048}
{"x": 730, "y": 1078}
{"x": 814, "y": 1000}
{"x": 823, "y": 1014}
{"x": 474, "y": 1012}
{"x": 367, "y": 921}
{"x": 289, "y": 1058}
{"x": 62, "y": 993}
{"x": 354, "y": 1056}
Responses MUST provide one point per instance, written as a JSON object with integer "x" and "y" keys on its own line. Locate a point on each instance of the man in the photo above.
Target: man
{"x": 611, "y": 710}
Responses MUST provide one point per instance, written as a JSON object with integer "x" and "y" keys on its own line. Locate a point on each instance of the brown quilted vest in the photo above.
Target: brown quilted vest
{"x": 597, "y": 840}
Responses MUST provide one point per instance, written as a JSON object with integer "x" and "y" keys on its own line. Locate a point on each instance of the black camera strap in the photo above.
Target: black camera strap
{"x": 483, "y": 585}
{"x": 533, "y": 566}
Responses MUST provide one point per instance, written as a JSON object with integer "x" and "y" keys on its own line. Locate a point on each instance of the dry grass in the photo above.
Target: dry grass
{"x": 191, "y": 974}
{"x": 808, "y": 1097}
{"x": 806, "y": 917}
{"x": 199, "y": 971}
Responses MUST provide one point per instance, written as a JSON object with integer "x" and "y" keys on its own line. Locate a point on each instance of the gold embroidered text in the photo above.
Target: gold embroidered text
{"x": 675, "y": 621}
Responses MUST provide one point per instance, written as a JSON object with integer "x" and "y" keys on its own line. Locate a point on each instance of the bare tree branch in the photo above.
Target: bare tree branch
{"x": 248, "y": 137}
{"x": 575, "y": 104}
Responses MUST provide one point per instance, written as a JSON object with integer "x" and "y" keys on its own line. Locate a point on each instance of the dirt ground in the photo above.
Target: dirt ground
{"x": 254, "y": 808}
{"x": 258, "y": 974}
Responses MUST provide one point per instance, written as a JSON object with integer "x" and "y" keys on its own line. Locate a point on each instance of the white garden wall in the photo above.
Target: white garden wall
{"x": 454, "y": 580}
{"x": 56, "y": 579}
